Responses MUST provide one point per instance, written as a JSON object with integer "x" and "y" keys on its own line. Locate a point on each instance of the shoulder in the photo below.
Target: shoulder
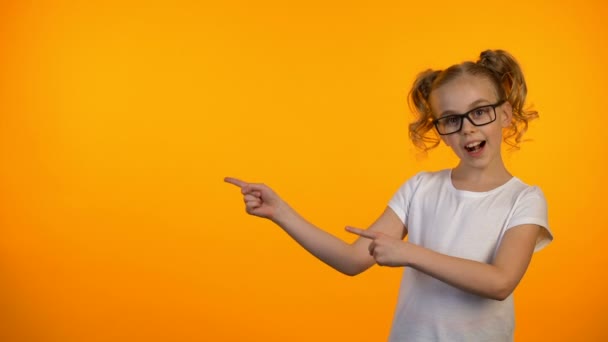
{"x": 521, "y": 190}
{"x": 530, "y": 207}
{"x": 431, "y": 176}
{"x": 415, "y": 187}
{"x": 425, "y": 182}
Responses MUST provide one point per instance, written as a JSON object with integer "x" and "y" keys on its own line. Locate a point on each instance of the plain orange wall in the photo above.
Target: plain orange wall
{"x": 119, "y": 120}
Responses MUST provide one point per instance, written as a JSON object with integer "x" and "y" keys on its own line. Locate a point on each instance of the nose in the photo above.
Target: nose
{"x": 467, "y": 126}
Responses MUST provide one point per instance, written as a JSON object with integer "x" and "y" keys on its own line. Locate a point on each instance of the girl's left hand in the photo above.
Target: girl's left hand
{"x": 386, "y": 250}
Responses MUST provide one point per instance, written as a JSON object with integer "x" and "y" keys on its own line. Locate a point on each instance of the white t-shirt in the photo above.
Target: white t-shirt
{"x": 463, "y": 224}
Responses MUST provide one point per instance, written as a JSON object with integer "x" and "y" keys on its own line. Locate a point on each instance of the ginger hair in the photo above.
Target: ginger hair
{"x": 497, "y": 66}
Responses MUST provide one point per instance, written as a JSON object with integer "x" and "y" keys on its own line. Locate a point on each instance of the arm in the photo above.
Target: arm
{"x": 496, "y": 280}
{"x": 350, "y": 259}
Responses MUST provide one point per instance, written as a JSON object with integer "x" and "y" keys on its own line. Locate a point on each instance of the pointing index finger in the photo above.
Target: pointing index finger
{"x": 363, "y": 233}
{"x": 235, "y": 181}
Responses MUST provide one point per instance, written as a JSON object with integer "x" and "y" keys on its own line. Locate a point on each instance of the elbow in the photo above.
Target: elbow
{"x": 502, "y": 291}
{"x": 352, "y": 271}
{"x": 349, "y": 273}
{"x": 354, "y": 268}
{"x": 501, "y": 295}
{"x": 353, "y": 263}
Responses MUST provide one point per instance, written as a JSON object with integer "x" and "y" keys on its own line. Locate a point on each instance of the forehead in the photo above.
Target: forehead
{"x": 459, "y": 94}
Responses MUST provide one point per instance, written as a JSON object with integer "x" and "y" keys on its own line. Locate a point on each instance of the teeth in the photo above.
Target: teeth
{"x": 472, "y": 147}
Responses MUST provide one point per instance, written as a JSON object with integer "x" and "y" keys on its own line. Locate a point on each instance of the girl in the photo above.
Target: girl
{"x": 471, "y": 229}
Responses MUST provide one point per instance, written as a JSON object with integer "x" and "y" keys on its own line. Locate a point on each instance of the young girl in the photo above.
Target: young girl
{"x": 471, "y": 229}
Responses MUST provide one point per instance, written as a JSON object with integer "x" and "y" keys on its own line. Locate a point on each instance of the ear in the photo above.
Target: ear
{"x": 506, "y": 114}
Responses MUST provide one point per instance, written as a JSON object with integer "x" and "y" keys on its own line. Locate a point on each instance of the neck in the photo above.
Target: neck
{"x": 480, "y": 179}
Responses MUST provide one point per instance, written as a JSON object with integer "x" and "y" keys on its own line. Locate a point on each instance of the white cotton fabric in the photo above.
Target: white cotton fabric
{"x": 463, "y": 224}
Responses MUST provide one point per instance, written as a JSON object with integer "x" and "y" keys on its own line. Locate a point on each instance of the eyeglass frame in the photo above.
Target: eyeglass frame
{"x": 466, "y": 116}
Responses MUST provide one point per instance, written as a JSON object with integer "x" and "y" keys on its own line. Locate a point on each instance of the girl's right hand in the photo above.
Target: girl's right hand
{"x": 259, "y": 199}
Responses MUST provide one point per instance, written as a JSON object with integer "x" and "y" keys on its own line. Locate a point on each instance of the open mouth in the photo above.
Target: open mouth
{"x": 476, "y": 146}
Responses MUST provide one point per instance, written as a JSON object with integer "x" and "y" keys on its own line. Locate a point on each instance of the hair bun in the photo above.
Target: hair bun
{"x": 498, "y": 61}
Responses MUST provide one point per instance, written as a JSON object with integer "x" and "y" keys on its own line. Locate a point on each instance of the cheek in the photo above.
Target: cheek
{"x": 448, "y": 140}
{"x": 495, "y": 134}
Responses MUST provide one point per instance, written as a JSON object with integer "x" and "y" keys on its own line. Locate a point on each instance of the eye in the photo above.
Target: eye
{"x": 452, "y": 120}
{"x": 481, "y": 111}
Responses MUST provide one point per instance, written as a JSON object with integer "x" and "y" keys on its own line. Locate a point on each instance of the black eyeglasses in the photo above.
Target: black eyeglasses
{"x": 479, "y": 116}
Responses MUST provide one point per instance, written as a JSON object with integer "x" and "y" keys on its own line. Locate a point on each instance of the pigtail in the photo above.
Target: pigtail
{"x": 511, "y": 78}
{"x": 419, "y": 105}
{"x": 500, "y": 68}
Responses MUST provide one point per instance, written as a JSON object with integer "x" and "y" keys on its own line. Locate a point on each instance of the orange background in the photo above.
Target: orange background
{"x": 119, "y": 120}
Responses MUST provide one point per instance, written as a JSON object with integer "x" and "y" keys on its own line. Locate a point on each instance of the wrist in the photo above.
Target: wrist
{"x": 282, "y": 214}
{"x": 409, "y": 254}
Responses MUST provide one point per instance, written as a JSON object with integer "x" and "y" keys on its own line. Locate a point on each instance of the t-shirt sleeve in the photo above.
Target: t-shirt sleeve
{"x": 400, "y": 202}
{"x": 532, "y": 209}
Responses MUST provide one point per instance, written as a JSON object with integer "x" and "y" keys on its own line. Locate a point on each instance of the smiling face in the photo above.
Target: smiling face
{"x": 477, "y": 146}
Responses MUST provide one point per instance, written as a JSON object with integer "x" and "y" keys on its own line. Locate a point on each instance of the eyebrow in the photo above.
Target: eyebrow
{"x": 472, "y": 105}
